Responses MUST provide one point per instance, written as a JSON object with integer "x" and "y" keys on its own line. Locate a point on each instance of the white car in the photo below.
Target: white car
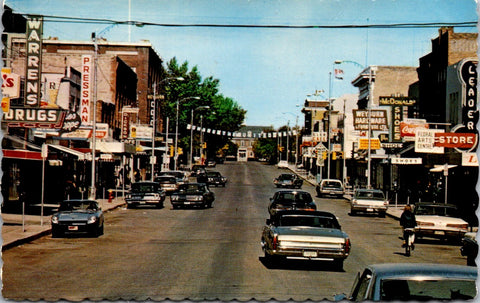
{"x": 282, "y": 164}
{"x": 438, "y": 220}
{"x": 369, "y": 201}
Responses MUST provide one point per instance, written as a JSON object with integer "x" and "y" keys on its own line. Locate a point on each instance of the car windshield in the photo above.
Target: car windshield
{"x": 213, "y": 174}
{"x": 177, "y": 174}
{"x": 166, "y": 179}
{"x": 286, "y": 177}
{"x": 293, "y": 197}
{"x": 427, "y": 289}
{"x": 144, "y": 187}
{"x": 375, "y": 195}
{"x": 312, "y": 221}
{"x": 78, "y": 205}
{"x": 436, "y": 210}
{"x": 332, "y": 184}
{"x": 190, "y": 188}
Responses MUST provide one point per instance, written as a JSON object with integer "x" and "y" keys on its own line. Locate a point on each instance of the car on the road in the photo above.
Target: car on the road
{"x": 439, "y": 220}
{"x": 330, "y": 187}
{"x": 78, "y": 216}
{"x": 192, "y": 194}
{"x": 469, "y": 248}
{"x": 168, "y": 183}
{"x": 180, "y": 175}
{"x": 211, "y": 163}
{"x": 291, "y": 200}
{"x": 416, "y": 282}
{"x": 312, "y": 235}
{"x": 282, "y": 164}
{"x": 197, "y": 169}
{"x": 145, "y": 193}
{"x": 368, "y": 201}
{"x": 288, "y": 181}
{"x": 215, "y": 178}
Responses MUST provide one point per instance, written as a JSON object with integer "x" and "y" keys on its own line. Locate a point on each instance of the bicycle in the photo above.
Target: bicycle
{"x": 409, "y": 237}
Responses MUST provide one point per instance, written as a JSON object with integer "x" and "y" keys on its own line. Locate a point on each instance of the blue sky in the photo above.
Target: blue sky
{"x": 266, "y": 71}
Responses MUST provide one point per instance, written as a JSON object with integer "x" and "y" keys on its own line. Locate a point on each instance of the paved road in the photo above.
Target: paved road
{"x": 202, "y": 254}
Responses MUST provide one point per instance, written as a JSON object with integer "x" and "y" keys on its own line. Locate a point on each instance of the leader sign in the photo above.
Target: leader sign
{"x": 34, "y": 60}
{"x": 468, "y": 77}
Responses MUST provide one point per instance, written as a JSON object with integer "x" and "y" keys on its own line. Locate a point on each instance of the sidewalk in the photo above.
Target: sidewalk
{"x": 18, "y": 229}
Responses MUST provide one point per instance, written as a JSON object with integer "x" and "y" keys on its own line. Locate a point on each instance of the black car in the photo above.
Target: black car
{"x": 197, "y": 169}
{"x": 291, "y": 200}
{"x": 78, "y": 217}
{"x": 216, "y": 178}
{"x": 145, "y": 193}
{"x": 168, "y": 183}
{"x": 288, "y": 181}
{"x": 192, "y": 194}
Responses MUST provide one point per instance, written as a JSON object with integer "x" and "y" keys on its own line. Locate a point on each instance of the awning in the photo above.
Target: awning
{"x": 22, "y": 141}
{"x": 21, "y": 154}
{"x": 79, "y": 155}
{"x": 440, "y": 168}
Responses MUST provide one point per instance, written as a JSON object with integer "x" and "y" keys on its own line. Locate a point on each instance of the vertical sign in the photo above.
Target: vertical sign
{"x": 34, "y": 61}
{"x": 85, "y": 88}
{"x": 468, "y": 77}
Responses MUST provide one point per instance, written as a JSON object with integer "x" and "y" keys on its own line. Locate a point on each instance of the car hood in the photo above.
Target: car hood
{"x": 310, "y": 231}
{"x": 439, "y": 220}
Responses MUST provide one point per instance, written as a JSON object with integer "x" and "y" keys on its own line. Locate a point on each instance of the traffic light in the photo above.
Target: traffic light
{"x": 340, "y": 155}
{"x": 334, "y": 155}
{"x": 324, "y": 155}
{"x": 171, "y": 150}
{"x": 179, "y": 151}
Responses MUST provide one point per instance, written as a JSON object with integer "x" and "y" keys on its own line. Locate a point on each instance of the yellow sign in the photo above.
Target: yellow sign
{"x": 374, "y": 143}
{"x": 5, "y": 104}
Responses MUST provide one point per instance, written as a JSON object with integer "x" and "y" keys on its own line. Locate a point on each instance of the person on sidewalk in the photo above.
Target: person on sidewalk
{"x": 407, "y": 220}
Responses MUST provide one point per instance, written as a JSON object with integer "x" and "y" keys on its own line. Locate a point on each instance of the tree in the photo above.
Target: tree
{"x": 223, "y": 114}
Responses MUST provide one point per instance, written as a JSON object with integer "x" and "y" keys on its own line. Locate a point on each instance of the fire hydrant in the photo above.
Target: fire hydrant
{"x": 110, "y": 195}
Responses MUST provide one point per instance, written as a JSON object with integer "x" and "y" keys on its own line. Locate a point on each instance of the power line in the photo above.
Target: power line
{"x": 64, "y": 19}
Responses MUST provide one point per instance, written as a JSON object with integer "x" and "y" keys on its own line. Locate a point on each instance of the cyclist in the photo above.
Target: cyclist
{"x": 407, "y": 220}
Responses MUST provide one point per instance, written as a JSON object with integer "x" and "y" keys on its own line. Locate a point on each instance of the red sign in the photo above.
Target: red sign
{"x": 455, "y": 140}
{"x": 408, "y": 129}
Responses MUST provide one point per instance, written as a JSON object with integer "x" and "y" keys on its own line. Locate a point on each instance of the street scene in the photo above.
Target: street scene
{"x": 206, "y": 150}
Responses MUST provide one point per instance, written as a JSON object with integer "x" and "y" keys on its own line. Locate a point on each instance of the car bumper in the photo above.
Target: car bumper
{"x": 144, "y": 202}
{"x": 188, "y": 203}
{"x": 332, "y": 192}
{"x": 439, "y": 233}
{"x": 311, "y": 253}
{"x": 369, "y": 208}
{"x": 74, "y": 228}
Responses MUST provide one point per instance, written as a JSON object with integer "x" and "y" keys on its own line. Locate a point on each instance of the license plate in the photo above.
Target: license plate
{"x": 73, "y": 228}
{"x": 369, "y": 209}
{"x": 310, "y": 254}
{"x": 440, "y": 232}
{"x": 186, "y": 203}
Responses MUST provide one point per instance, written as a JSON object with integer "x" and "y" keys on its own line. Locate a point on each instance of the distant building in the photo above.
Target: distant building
{"x": 245, "y": 141}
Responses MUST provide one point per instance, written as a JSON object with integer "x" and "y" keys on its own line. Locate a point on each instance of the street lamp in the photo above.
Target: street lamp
{"x": 176, "y": 129}
{"x": 296, "y": 136}
{"x": 369, "y": 108}
{"x": 191, "y": 131}
{"x": 154, "y": 120}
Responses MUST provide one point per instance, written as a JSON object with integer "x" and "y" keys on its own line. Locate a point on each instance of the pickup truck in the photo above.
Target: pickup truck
{"x": 310, "y": 235}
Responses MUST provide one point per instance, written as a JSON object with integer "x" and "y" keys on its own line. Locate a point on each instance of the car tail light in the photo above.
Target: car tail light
{"x": 462, "y": 225}
{"x": 275, "y": 242}
{"x": 425, "y": 223}
{"x": 348, "y": 245}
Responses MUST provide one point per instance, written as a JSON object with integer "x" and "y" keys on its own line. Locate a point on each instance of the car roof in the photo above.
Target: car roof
{"x": 304, "y": 213}
{"x": 398, "y": 270}
{"x": 368, "y": 190}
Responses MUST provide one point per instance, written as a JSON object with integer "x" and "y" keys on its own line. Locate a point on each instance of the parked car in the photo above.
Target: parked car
{"x": 330, "y": 187}
{"x": 368, "y": 201}
{"x": 291, "y": 200}
{"x": 288, "y": 181}
{"x": 441, "y": 221}
{"x": 216, "y": 178}
{"x": 282, "y": 164}
{"x": 168, "y": 183}
{"x": 192, "y": 194}
{"x": 415, "y": 282}
{"x": 305, "y": 234}
{"x": 145, "y": 193}
{"x": 211, "y": 163}
{"x": 180, "y": 175}
{"x": 77, "y": 217}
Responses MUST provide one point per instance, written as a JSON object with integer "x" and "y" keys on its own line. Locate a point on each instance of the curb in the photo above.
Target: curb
{"x": 27, "y": 239}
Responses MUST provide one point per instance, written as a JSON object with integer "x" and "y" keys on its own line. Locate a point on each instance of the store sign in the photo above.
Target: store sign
{"x": 396, "y": 121}
{"x": 468, "y": 77}
{"x": 374, "y": 143}
{"x": 375, "y": 121}
{"x": 406, "y": 161}
{"x": 408, "y": 128}
{"x": 34, "y": 61}
{"x": 398, "y": 101}
{"x": 425, "y": 141}
{"x": 85, "y": 92}
{"x": 391, "y": 145}
{"x": 10, "y": 83}
{"x": 469, "y": 159}
{"x": 34, "y": 117}
{"x": 456, "y": 140}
